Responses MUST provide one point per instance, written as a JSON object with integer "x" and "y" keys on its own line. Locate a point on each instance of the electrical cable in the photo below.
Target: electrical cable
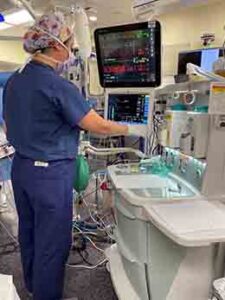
{"x": 90, "y": 240}
{"x": 135, "y": 143}
{"x": 99, "y": 221}
{"x": 85, "y": 232}
{"x": 104, "y": 228}
{"x": 91, "y": 193}
{"x": 97, "y": 238}
{"x": 94, "y": 245}
{"x": 95, "y": 221}
{"x": 84, "y": 259}
{"x": 88, "y": 267}
{"x": 103, "y": 223}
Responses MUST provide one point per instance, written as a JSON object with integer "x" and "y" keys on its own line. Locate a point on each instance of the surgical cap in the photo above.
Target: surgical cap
{"x": 45, "y": 32}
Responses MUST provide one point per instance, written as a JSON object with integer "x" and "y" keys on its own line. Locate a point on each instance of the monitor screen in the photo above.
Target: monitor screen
{"x": 130, "y": 109}
{"x": 203, "y": 58}
{"x": 129, "y": 55}
{"x": 193, "y": 57}
{"x": 209, "y": 56}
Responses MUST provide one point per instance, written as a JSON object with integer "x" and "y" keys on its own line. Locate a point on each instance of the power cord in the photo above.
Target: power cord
{"x": 88, "y": 267}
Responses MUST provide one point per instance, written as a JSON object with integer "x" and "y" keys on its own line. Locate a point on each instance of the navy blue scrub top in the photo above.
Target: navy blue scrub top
{"x": 42, "y": 111}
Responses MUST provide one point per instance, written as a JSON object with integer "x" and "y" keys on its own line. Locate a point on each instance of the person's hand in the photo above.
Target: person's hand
{"x": 136, "y": 131}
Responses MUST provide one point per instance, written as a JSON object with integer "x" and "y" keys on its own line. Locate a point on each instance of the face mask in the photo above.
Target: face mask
{"x": 65, "y": 66}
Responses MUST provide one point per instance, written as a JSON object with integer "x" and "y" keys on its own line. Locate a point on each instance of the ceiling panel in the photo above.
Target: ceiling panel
{"x": 113, "y": 12}
{"x": 110, "y": 12}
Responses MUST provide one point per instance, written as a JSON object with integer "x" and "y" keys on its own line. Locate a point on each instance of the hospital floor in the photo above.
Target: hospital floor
{"x": 84, "y": 284}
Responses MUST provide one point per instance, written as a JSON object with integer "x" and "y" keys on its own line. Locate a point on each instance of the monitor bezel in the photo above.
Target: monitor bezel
{"x": 129, "y": 27}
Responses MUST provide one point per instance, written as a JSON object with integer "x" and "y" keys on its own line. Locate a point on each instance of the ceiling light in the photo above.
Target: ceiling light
{"x": 93, "y": 18}
{"x": 19, "y": 17}
{"x": 15, "y": 18}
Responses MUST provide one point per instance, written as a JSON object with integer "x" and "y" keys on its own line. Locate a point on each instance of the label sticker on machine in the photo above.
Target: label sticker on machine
{"x": 217, "y": 99}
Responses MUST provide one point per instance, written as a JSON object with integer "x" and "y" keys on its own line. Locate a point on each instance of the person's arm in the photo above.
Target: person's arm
{"x": 94, "y": 123}
{"x": 76, "y": 112}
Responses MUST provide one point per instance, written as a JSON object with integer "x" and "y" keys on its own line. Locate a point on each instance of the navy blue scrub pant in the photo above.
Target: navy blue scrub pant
{"x": 43, "y": 198}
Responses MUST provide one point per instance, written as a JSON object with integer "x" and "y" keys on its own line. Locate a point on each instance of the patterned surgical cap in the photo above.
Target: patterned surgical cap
{"x": 45, "y": 32}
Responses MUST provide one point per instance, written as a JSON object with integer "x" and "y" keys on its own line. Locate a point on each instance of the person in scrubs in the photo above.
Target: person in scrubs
{"x": 43, "y": 114}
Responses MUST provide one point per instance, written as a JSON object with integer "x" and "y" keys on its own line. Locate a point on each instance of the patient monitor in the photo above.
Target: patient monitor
{"x": 133, "y": 109}
{"x": 129, "y": 55}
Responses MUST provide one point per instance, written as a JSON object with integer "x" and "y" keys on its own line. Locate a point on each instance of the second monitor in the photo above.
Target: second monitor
{"x": 203, "y": 58}
{"x": 130, "y": 109}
